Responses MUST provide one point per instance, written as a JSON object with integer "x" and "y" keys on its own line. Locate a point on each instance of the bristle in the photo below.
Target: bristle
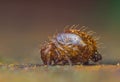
{"x": 72, "y": 27}
{"x": 76, "y": 26}
{"x": 66, "y": 27}
{"x": 49, "y": 37}
{"x": 46, "y": 42}
{"x": 54, "y": 35}
{"x": 96, "y": 38}
{"x": 83, "y": 28}
{"x": 99, "y": 45}
{"x": 91, "y": 32}
{"x": 41, "y": 44}
{"x": 56, "y": 31}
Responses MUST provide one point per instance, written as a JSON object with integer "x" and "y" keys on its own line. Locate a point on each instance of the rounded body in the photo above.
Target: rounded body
{"x": 71, "y": 46}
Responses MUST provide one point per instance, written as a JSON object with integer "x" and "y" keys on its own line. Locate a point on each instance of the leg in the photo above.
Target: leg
{"x": 64, "y": 62}
{"x": 48, "y": 57}
{"x": 48, "y": 62}
{"x": 69, "y": 61}
{"x": 86, "y": 63}
{"x": 55, "y": 61}
{"x": 44, "y": 62}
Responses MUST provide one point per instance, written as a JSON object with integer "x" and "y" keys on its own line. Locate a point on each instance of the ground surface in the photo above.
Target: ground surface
{"x": 76, "y": 73}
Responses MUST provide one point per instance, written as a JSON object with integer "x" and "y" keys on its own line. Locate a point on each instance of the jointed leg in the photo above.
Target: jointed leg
{"x": 69, "y": 61}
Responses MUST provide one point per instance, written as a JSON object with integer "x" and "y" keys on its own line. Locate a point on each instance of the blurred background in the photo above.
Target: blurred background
{"x": 25, "y": 25}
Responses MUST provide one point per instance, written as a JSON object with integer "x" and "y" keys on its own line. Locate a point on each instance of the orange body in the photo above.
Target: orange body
{"x": 56, "y": 52}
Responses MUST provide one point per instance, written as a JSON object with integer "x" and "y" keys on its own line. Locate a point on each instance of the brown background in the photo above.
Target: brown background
{"x": 24, "y": 25}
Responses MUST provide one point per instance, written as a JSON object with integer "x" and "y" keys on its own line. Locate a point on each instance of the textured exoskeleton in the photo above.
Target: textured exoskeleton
{"x": 71, "y": 46}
